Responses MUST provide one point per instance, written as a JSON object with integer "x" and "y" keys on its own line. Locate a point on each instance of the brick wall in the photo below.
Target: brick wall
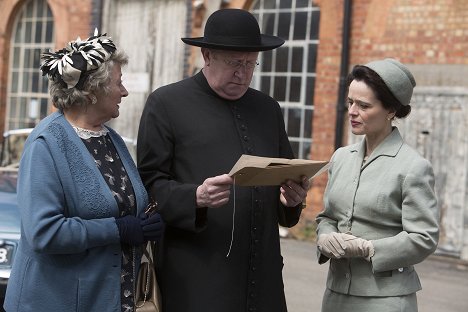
{"x": 427, "y": 35}
{"x": 326, "y": 95}
{"x": 416, "y": 32}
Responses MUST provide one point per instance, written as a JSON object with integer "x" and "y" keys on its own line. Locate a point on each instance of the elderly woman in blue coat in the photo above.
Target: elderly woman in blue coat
{"x": 380, "y": 212}
{"x": 81, "y": 200}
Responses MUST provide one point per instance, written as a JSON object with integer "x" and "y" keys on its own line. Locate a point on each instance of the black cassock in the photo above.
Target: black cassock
{"x": 187, "y": 134}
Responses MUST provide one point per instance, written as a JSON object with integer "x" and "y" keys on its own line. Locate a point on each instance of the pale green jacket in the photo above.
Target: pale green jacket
{"x": 390, "y": 200}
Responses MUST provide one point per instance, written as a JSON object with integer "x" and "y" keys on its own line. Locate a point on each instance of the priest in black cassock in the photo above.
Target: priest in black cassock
{"x": 221, "y": 249}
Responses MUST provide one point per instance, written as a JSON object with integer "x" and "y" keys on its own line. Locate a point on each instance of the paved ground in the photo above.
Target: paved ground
{"x": 444, "y": 281}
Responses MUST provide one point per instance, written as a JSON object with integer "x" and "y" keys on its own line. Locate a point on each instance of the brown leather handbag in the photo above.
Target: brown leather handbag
{"x": 147, "y": 294}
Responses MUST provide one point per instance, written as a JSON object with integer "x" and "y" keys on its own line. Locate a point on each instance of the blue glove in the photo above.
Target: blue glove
{"x": 153, "y": 227}
{"x": 130, "y": 230}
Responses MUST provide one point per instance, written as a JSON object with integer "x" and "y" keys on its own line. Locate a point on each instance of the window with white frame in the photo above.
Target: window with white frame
{"x": 27, "y": 98}
{"x": 288, "y": 73}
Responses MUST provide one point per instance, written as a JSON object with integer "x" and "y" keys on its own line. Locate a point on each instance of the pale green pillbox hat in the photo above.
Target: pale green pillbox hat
{"x": 396, "y": 76}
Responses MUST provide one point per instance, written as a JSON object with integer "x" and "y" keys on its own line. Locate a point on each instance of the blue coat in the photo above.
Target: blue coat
{"x": 390, "y": 201}
{"x": 69, "y": 255}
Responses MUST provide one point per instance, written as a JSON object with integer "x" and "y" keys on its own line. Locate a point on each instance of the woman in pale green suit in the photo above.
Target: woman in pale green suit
{"x": 380, "y": 212}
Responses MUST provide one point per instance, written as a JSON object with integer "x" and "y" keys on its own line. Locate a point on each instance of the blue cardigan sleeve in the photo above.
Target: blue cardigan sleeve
{"x": 42, "y": 206}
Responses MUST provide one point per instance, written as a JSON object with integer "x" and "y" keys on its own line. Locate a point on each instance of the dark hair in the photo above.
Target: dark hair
{"x": 381, "y": 91}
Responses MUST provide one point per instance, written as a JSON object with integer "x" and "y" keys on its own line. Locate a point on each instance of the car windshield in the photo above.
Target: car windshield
{"x": 12, "y": 146}
{"x": 8, "y": 180}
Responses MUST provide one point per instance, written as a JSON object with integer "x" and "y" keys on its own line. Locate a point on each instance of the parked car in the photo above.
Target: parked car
{"x": 10, "y": 153}
{"x": 12, "y": 146}
{"x": 9, "y": 223}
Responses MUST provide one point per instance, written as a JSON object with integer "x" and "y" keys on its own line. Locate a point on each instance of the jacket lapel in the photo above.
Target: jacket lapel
{"x": 389, "y": 147}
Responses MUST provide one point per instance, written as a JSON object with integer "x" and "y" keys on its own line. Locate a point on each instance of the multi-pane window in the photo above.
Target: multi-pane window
{"x": 288, "y": 73}
{"x": 33, "y": 33}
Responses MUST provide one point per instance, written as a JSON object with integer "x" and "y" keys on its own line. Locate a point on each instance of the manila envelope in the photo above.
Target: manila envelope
{"x": 256, "y": 171}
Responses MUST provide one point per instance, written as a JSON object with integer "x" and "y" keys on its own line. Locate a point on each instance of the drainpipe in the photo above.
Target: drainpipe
{"x": 340, "y": 107}
{"x": 97, "y": 9}
{"x": 188, "y": 33}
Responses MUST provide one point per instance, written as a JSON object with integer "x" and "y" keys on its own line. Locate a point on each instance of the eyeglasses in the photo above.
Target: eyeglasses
{"x": 236, "y": 64}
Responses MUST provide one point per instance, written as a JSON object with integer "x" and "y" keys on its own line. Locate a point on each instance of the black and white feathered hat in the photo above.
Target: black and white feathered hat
{"x": 73, "y": 63}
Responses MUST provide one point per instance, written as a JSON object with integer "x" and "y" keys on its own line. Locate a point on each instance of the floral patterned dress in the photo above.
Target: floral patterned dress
{"x": 108, "y": 161}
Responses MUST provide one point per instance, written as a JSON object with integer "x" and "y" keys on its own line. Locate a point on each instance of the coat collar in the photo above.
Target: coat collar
{"x": 388, "y": 147}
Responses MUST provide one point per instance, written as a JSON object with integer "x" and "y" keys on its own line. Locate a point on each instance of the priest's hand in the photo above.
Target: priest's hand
{"x": 214, "y": 192}
{"x": 293, "y": 193}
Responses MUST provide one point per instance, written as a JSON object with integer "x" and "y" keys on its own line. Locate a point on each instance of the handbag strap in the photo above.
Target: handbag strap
{"x": 148, "y": 253}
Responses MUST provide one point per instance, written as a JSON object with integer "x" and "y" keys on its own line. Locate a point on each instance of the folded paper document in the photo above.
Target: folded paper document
{"x": 255, "y": 171}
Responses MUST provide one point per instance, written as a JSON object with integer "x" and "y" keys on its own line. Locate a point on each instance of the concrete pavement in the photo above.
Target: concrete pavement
{"x": 444, "y": 281}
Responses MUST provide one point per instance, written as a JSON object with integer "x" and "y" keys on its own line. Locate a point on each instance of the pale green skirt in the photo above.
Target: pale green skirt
{"x": 336, "y": 302}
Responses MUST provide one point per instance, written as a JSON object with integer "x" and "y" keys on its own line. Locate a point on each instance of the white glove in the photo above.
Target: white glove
{"x": 331, "y": 245}
{"x": 357, "y": 247}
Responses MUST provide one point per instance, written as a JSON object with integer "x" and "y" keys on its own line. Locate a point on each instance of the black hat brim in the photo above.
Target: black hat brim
{"x": 267, "y": 43}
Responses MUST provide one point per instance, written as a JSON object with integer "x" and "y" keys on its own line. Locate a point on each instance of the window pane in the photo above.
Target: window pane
{"x": 266, "y": 4}
{"x": 22, "y": 107}
{"x": 29, "y": 9}
{"x": 14, "y": 82}
{"x": 13, "y": 106}
{"x": 27, "y": 58}
{"x": 282, "y": 59}
{"x": 302, "y": 3}
{"x": 16, "y": 57}
{"x": 19, "y": 32}
{"x": 265, "y": 84}
{"x": 266, "y": 61}
{"x": 308, "y": 113}
{"x": 295, "y": 89}
{"x": 268, "y": 23}
{"x": 27, "y": 38}
{"x": 294, "y": 122}
{"x": 296, "y": 62}
{"x": 314, "y": 25}
{"x": 283, "y": 26}
{"x": 40, "y": 8}
{"x": 49, "y": 31}
{"x": 38, "y": 34}
{"x": 309, "y": 100}
{"x": 312, "y": 59}
{"x": 279, "y": 93}
{"x": 35, "y": 82}
{"x": 26, "y": 80}
{"x": 300, "y": 26}
{"x": 284, "y": 4}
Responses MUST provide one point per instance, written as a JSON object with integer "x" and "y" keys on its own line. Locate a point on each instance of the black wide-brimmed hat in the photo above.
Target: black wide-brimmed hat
{"x": 234, "y": 30}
